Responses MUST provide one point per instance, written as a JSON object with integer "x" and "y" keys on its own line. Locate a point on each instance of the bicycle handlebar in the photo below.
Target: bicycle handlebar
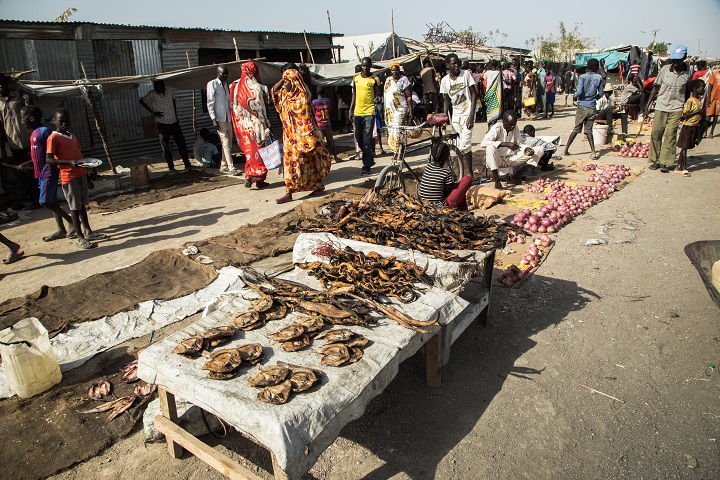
{"x": 411, "y": 127}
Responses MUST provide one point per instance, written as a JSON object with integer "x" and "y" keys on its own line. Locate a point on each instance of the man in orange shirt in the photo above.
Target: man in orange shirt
{"x": 713, "y": 95}
{"x": 63, "y": 150}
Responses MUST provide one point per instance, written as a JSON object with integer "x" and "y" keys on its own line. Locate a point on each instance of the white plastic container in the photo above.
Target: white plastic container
{"x": 600, "y": 134}
{"x": 30, "y": 364}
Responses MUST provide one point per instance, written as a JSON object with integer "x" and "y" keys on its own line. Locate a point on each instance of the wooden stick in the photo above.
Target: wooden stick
{"x": 169, "y": 412}
{"x": 87, "y": 94}
{"x": 601, "y": 393}
{"x": 332, "y": 50}
{"x": 392, "y": 24}
{"x": 312, "y": 58}
{"x": 187, "y": 55}
{"x": 302, "y": 60}
{"x": 237, "y": 54}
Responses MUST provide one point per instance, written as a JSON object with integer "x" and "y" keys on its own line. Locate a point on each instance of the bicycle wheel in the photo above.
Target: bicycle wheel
{"x": 390, "y": 180}
{"x": 455, "y": 163}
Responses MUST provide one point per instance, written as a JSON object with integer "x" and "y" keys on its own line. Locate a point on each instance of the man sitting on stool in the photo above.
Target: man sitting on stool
{"x": 503, "y": 150}
{"x": 606, "y": 110}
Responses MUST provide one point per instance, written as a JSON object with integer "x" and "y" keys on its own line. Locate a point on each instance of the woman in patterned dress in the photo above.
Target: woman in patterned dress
{"x": 306, "y": 161}
{"x": 397, "y": 99}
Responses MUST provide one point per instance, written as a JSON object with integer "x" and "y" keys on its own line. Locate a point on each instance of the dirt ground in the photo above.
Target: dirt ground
{"x": 629, "y": 318}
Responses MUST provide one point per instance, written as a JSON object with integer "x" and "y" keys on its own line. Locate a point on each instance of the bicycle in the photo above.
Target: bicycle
{"x": 392, "y": 177}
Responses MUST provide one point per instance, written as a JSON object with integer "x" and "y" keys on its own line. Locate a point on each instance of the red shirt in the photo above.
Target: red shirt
{"x": 66, "y": 147}
{"x": 699, "y": 74}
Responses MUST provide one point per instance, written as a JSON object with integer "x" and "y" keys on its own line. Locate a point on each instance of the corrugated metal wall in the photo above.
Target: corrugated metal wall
{"x": 173, "y": 58}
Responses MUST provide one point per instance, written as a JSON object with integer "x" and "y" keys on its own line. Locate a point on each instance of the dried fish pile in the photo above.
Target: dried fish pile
{"x": 401, "y": 221}
{"x": 224, "y": 364}
{"x": 371, "y": 274}
{"x": 279, "y": 380}
{"x": 342, "y": 347}
{"x": 103, "y": 388}
{"x": 197, "y": 345}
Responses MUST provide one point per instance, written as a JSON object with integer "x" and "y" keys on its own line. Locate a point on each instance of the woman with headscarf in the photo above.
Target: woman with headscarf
{"x": 306, "y": 161}
{"x": 250, "y": 122}
{"x": 397, "y": 99}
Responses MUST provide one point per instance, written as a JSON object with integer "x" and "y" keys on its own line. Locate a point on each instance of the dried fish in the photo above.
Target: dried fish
{"x": 248, "y": 320}
{"x": 276, "y": 395}
{"x": 190, "y": 347}
{"x": 143, "y": 391}
{"x": 215, "y": 336}
{"x": 251, "y": 353}
{"x": 296, "y": 344}
{"x": 276, "y": 312}
{"x": 272, "y": 375}
{"x": 122, "y": 404}
{"x": 223, "y": 361}
{"x": 311, "y": 324}
{"x": 99, "y": 389}
{"x": 335, "y": 355}
{"x": 290, "y": 332}
{"x": 130, "y": 372}
{"x": 338, "y": 335}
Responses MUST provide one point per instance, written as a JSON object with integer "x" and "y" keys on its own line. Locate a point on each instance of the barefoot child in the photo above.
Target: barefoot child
{"x": 63, "y": 150}
{"x": 691, "y": 116}
{"x": 48, "y": 176}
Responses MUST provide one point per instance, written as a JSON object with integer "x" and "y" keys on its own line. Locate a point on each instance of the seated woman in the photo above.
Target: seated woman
{"x": 436, "y": 184}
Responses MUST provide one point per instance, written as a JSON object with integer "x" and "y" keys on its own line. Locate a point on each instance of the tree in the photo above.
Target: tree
{"x": 64, "y": 16}
{"x": 659, "y": 48}
{"x": 561, "y": 48}
{"x": 496, "y": 37}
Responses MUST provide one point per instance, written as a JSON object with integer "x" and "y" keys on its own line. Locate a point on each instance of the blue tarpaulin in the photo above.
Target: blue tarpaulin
{"x": 611, "y": 58}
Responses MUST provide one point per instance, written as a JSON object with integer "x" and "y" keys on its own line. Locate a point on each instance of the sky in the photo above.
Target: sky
{"x": 693, "y": 23}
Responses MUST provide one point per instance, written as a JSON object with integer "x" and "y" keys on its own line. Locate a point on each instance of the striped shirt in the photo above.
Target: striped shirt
{"x": 432, "y": 183}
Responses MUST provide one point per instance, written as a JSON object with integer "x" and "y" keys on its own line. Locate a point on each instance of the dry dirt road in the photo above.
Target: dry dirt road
{"x": 630, "y": 318}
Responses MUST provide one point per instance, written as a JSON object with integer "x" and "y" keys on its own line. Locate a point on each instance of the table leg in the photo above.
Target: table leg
{"x": 487, "y": 283}
{"x": 277, "y": 471}
{"x": 169, "y": 411}
{"x": 433, "y": 359}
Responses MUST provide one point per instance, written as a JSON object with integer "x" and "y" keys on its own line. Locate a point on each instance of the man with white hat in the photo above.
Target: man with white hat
{"x": 671, "y": 92}
{"x": 605, "y": 107}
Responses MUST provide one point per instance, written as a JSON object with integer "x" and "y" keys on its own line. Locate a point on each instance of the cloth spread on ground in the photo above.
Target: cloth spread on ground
{"x": 162, "y": 188}
{"x": 161, "y": 276}
{"x": 80, "y": 343}
{"x": 300, "y": 430}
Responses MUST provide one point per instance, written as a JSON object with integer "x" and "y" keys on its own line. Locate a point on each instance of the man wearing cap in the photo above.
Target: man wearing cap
{"x": 605, "y": 107}
{"x": 671, "y": 92}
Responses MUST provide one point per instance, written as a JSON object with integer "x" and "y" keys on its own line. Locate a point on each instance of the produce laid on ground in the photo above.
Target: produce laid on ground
{"x": 516, "y": 273}
{"x": 632, "y": 149}
{"x": 103, "y": 388}
{"x": 565, "y": 202}
{"x": 401, "y": 221}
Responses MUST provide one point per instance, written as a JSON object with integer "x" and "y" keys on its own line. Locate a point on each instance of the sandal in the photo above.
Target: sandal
{"x": 85, "y": 244}
{"x": 96, "y": 236}
{"x": 284, "y": 199}
{"x": 72, "y": 233}
{"x": 13, "y": 257}
{"x": 654, "y": 166}
{"x": 594, "y": 156}
{"x": 686, "y": 173}
{"x": 260, "y": 185}
{"x": 664, "y": 169}
{"x": 55, "y": 236}
{"x": 248, "y": 183}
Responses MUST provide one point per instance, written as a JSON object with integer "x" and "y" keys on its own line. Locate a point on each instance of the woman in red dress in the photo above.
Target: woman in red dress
{"x": 250, "y": 122}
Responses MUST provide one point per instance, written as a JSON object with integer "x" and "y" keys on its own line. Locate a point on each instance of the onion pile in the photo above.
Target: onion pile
{"x": 590, "y": 166}
{"x": 612, "y": 174}
{"x": 532, "y": 254}
{"x": 515, "y": 237}
{"x": 639, "y": 150}
{"x": 512, "y": 275}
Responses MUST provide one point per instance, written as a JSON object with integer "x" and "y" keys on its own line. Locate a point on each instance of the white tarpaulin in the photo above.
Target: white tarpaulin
{"x": 84, "y": 340}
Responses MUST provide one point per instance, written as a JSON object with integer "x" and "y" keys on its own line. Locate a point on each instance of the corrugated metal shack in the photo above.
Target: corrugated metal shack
{"x": 60, "y": 51}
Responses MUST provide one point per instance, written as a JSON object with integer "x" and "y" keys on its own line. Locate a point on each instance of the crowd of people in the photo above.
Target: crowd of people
{"x": 686, "y": 99}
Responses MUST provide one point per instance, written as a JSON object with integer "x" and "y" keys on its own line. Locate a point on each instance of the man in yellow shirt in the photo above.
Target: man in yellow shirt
{"x": 365, "y": 93}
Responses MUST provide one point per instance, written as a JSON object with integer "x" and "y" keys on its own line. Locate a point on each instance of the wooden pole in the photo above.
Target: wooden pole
{"x": 392, "y": 23}
{"x": 87, "y": 94}
{"x": 302, "y": 60}
{"x": 237, "y": 55}
{"x": 332, "y": 50}
{"x": 312, "y": 58}
{"x": 187, "y": 55}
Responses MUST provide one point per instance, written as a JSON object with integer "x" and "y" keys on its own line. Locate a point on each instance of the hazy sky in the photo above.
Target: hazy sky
{"x": 694, "y": 23}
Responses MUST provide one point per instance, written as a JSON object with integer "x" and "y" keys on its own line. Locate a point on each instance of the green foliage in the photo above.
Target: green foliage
{"x": 659, "y": 48}
{"x": 560, "y": 48}
{"x": 64, "y": 16}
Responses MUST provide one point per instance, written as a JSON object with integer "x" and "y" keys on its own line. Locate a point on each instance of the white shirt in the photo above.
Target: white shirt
{"x": 459, "y": 92}
{"x": 218, "y": 100}
{"x": 497, "y": 135}
{"x": 603, "y": 102}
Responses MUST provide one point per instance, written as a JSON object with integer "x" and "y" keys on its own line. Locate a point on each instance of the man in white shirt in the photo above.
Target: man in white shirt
{"x": 458, "y": 88}
{"x": 502, "y": 150}
{"x": 160, "y": 101}
{"x": 605, "y": 107}
{"x": 218, "y": 104}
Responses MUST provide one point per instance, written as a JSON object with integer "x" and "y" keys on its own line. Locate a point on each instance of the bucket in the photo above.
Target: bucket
{"x": 30, "y": 364}
{"x": 600, "y": 134}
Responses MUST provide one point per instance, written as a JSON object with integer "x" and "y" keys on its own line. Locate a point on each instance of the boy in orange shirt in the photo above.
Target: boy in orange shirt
{"x": 63, "y": 150}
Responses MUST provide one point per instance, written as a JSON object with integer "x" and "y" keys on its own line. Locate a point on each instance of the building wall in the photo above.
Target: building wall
{"x": 60, "y": 51}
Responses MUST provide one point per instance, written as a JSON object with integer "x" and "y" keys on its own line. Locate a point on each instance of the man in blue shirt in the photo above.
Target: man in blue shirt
{"x": 589, "y": 90}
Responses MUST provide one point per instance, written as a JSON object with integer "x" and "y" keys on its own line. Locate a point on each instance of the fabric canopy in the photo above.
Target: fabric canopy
{"x": 612, "y": 58}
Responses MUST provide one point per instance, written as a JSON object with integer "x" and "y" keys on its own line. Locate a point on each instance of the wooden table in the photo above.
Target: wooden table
{"x": 299, "y": 431}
